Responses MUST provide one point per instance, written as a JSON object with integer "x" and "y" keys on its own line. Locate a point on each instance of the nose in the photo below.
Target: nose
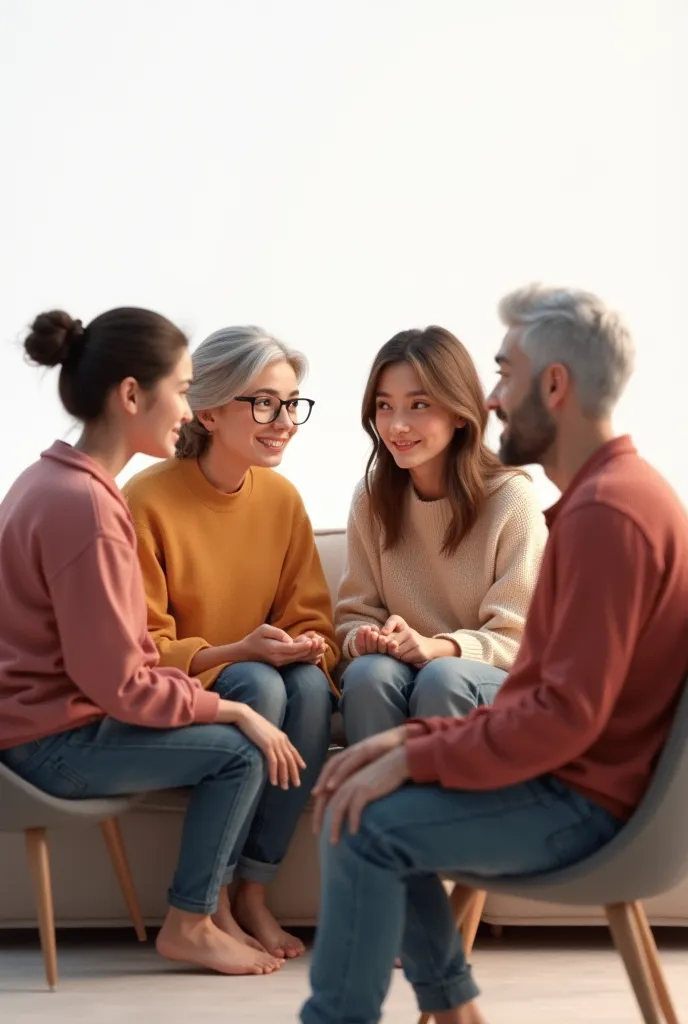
{"x": 398, "y": 424}
{"x": 284, "y": 419}
{"x": 187, "y": 414}
{"x": 492, "y": 401}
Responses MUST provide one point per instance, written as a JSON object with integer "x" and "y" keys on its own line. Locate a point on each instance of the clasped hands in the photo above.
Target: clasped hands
{"x": 397, "y": 639}
{"x": 275, "y": 647}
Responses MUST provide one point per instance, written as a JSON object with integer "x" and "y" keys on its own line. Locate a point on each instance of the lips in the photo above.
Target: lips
{"x": 404, "y": 446}
{"x": 272, "y": 444}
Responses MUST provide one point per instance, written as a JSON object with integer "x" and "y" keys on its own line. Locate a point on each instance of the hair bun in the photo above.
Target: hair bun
{"x": 53, "y": 338}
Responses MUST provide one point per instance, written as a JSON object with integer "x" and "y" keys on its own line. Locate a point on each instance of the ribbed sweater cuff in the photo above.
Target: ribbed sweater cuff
{"x": 469, "y": 646}
{"x": 206, "y": 707}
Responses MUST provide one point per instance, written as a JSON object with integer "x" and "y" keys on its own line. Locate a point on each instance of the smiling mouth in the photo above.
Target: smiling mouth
{"x": 405, "y": 446}
{"x": 272, "y": 444}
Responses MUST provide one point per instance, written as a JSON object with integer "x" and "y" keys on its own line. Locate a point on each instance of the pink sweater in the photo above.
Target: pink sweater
{"x": 74, "y": 644}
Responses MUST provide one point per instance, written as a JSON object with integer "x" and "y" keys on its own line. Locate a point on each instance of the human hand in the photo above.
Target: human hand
{"x": 274, "y": 647}
{"x": 375, "y": 780}
{"x": 318, "y": 645}
{"x": 283, "y": 759}
{"x": 411, "y": 646}
{"x": 370, "y": 640}
{"x": 344, "y": 765}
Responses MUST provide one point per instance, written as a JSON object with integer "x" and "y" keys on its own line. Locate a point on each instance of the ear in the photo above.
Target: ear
{"x": 207, "y": 418}
{"x": 555, "y": 385}
{"x": 128, "y": 394}
{"x": 459, "y": 423}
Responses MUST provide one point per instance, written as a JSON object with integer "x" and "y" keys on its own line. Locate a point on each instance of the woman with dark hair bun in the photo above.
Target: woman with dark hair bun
{"x": 85, "y": 708}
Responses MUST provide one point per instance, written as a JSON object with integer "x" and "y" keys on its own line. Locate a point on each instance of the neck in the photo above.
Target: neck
{"x": 428, "y": 481}
{"x": 221, "y": 470}
{"x": 573, "y": 448}
{"x": 105, "y": 446}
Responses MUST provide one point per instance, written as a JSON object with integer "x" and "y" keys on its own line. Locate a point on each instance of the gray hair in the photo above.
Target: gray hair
{"x": 576, "y": 329}
{"x": 224, "y": 365}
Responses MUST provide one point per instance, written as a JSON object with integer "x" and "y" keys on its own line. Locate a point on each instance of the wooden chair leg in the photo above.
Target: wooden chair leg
{"x": 471, "y": 922}
{"x": 655, "y": 964}
{"x": 628, "y": 940}
{"x": 467, "y": 909}
{"x": 118, "y": 855}
{"x": 39, "y": 863}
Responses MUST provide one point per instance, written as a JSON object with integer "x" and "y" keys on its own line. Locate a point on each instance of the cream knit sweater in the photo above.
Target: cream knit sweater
{"x": 479, "y": 596}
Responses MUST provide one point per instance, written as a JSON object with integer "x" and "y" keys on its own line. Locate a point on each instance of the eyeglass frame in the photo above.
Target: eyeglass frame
{"x": 283, "y": 403}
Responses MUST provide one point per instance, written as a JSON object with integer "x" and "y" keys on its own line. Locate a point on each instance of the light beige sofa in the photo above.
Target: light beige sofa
{"x": 86, "y": 893}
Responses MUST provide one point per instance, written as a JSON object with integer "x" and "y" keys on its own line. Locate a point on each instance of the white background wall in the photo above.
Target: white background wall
{"x": 338, "y": 171}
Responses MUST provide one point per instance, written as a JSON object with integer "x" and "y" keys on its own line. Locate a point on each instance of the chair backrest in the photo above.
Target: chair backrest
{"x": 648, "y": 856}
{"x": 656, "y": 837}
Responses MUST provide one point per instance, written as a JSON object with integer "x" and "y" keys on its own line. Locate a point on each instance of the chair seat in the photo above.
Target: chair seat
{"x": 24, "y": 806}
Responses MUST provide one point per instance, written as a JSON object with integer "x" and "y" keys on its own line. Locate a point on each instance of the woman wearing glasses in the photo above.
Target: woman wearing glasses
{"x": 235, "y": 591}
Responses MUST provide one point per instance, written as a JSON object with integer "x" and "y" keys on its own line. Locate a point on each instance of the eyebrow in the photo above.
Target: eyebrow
{"x": 409, "y": 394}
{"x": 275, "y": 394}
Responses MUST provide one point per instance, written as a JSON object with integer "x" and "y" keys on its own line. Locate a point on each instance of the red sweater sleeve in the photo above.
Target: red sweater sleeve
{"x": 100, "y": 610}
{"x": 605, "y": 580}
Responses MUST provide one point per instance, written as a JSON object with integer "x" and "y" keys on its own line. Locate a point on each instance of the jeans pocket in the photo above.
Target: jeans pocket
{"x": 59, "y": 779}
{"x": 29, "y": 757}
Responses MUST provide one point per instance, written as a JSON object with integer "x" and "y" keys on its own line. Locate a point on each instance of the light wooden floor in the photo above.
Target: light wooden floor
{"x": 531, "y": 976}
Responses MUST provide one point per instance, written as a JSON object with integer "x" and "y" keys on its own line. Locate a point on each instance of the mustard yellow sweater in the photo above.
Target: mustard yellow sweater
{"x": 216, "y": 566}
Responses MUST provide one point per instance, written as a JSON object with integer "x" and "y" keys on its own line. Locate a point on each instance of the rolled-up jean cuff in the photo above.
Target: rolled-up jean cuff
{"x": 228, "y": 876}
{"x": 446, "y": 995}
{"x": 190, "y": 906}
{"x": 256, "y": 870}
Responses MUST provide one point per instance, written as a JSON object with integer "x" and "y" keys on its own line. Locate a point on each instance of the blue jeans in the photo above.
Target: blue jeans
{"x": 379, "y": 692}
{"x": 381, "y": 891}
{"x": 229, "y": 799}
{"x": 297, "y": 699}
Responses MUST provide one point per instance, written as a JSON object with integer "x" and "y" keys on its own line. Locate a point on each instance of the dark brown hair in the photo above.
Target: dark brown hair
{"x": 121, "y": 343}
{"x": 448, "y": 375}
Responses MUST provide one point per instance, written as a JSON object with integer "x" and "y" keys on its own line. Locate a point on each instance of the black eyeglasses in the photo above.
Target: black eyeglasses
{"x": 267, "y": 408}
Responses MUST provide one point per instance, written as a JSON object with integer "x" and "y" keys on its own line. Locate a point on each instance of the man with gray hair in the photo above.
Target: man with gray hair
{"x": 549, "y": 773}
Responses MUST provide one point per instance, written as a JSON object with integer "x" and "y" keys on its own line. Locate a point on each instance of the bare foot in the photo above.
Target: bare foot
{"x": 194, "y": 939}
{"x": 223, "y": 919}
{"x": 254, "y": 917}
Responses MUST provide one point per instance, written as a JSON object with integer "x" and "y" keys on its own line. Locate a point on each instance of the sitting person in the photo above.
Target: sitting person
{"x": 444, "y": 545}
{"x": 549, "y": 773}
{"x": 235, "y": 590}
{"x": 85, "y": 708}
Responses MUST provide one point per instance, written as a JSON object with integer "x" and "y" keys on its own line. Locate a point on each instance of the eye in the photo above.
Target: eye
{"x": 296, "y": 403}
{"x": 263, "y": 403}
{"x": 382, "y": 406}
{"x": 420, "y": 405}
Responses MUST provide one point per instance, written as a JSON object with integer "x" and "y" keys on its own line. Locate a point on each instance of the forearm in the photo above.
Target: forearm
{"x": 210, "y": 657}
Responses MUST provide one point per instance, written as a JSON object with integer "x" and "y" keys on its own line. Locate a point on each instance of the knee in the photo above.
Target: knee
{"x": 233, "y": 752}
{"x": 262, "y": 688}
{"x": 444, "y": 687}
{"x": 370, "y": 676}
{"x": 307, "y": 686}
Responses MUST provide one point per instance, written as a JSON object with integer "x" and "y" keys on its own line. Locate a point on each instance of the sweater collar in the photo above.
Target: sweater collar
{"x": 203, "y": 490}
{"x": 611, "y": 450}
{"x": 71, "y": 457}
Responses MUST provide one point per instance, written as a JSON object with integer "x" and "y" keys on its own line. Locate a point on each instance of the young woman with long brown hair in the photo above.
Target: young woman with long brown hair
{"x": 444, "y": 544}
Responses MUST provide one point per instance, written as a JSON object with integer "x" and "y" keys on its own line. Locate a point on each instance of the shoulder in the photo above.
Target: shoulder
{"x": 360, "y": 501}
{"x": 64, "y": 511}
{"x": 153, "y": 488}
{"x": 512, "y": 497}
{"x": 271, "y": 485}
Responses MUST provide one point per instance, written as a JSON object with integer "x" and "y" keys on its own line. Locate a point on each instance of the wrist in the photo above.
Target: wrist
{"x": 230, "y": 712}
{"x": 443, "y": 647}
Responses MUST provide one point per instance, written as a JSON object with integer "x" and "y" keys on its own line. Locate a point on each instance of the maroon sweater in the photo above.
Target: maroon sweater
{"x": 604, "y": 656}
